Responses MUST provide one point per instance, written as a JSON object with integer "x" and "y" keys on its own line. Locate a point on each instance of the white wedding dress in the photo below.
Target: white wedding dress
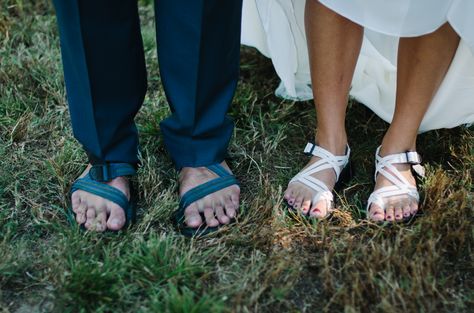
{"x": 276, "y": 29}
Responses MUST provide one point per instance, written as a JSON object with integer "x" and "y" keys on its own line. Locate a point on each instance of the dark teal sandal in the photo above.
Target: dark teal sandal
{"x": 93, "y": 183}
{"x": 224, "y": 180}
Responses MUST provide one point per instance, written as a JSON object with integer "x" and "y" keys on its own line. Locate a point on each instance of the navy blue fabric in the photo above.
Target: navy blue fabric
{"x": 109, "y": 171}
{"x": 104, "y": 67}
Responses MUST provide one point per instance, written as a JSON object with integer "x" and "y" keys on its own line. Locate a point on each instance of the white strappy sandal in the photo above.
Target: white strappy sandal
{"x": 327, "y": 161}
{"x": 401, "y": 187}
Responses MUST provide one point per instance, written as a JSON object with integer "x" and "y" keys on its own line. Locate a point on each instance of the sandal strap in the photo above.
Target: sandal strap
{"x": 107, "y": 172}
{"x": 327, "y": 161}
{"x": 224, "y": 179}
{"x": 385, "y": 167}
{"x": 88, "y": 184}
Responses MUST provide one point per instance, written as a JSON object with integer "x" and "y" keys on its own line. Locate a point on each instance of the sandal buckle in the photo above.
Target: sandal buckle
{"x": 412, "y": 157}
{"x": 308, "y": 150}
{"x": 101, "y": 173}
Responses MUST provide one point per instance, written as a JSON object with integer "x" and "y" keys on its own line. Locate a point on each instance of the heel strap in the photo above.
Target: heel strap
{"x": 107, "y": 172}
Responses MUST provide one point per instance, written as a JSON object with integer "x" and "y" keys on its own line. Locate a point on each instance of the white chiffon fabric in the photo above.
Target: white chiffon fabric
{"x": 276, "y": 29}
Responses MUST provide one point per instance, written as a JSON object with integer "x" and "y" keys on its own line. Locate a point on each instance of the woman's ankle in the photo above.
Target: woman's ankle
{"x": 397, "y": 144}
{"x": 335, "y": 142}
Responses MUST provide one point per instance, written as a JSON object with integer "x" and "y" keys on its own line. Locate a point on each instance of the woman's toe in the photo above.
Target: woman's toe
{"x": 298, "y": 202}
{"x": 398, "y": 213}
{"x": 211, "y": 220}
{"x": 390, "y": 213}
{"x": 414, "y": 208}
{"x": 319, "y": 210}
{"x": 406, "y": 211}
{"x": 306, "y": 205}
{"x": 376, "y": 213}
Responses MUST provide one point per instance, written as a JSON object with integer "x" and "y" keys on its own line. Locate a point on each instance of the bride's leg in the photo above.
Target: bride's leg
{"x": 422, "y": 64}
{"x": 333, "y": 44}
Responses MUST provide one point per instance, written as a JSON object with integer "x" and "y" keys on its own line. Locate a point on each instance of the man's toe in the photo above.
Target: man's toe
{"x": 211, "y": 220}
{"x": 192, "y": 218}
{"x": 116, "y": 218}
{"x": 101, "y": 221}
{"x": 81, "y": 213}
{"x": 235, "y": 198}
{"x": 90, "y": 218}
{"x": 221, "y": 216}
{"x": 230, "y": 209}
{"x": 75, "y": 201}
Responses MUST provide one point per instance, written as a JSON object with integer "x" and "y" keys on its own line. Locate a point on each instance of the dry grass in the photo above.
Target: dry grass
{"x": 270, "y": 262}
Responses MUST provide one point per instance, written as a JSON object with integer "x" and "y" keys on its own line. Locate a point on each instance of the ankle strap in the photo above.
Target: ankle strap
{"x": 109, "y": 171}
{"x": 313, "y": 149}
{"x": 327, "y": 160}
{"x": 409, "y": 157}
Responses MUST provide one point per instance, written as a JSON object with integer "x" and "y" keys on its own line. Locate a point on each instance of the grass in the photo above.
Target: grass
{"x": 270, "y": 262}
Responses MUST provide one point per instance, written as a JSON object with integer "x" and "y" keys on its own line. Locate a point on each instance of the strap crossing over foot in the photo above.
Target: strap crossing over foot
{"x": 327, "y": 161}
{"x": 385, "y": 167}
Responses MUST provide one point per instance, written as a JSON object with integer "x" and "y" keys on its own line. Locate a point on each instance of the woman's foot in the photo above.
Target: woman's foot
{"x": 300, "y": 196}
{"x": 218, "y": 208}
{"x": 394, "y": 204}
{"x": 99, "y": 214}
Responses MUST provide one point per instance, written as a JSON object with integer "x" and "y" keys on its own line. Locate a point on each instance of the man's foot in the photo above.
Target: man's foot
{"x": 300, "y": 196}
{"x": 397, "y": 207}
{"x": 96, "y": 213}
{"x": 218, "y": 208}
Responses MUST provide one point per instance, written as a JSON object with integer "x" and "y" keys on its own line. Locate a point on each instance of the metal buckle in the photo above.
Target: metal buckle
{"x": 101, "y": 173}
{"x": 413, "y": 157}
